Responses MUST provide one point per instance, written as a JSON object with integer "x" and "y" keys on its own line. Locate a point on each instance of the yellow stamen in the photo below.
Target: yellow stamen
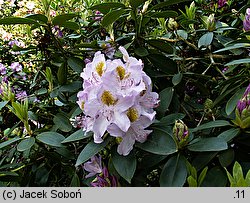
{"x": 100, "y": 68}
{"x": 107, "y": 98}
{"x": 82, "y": 105}
{"x": 132, "y": 114}
{"x": 121, "y": 72}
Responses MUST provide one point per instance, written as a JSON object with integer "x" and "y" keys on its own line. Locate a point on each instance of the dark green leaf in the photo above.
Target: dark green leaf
{"x": 8, "y": 173}
{"x": 26, "y": 144}
{"x": 112, "y": 16}
{"x": 78, "y": 135}
{"x": 135, "y": 3}
{"x": 106, "y": 7}
{"x": 161, "y": 45}
{"x": 211, "y": 124}
{"x": 75, "y": 182}
{"x": 163, "y": 14}
{"x": 163, "y": 63}
{"x": 232, "y": 102}
{"x": 62, "y": 74}
{"x": 177, "y": 79}
{"x": 166, "y": 96}
{"x": 141, "y": 51}
{"x": 8, "y": 142}
{"x": 229, "y": 134}
{"x": 39, "y": 17}
{"x": 202, "y": 159}
{"x": 206, "y": 39}
{"x": 62, "y": 122}
{"x": 170, "y": 119}
{"x": 76, "y": 64}
{"x": 90, "y": 150}
{"x": 239, "y": 61}
{"x": 124, "y": 165}
{"x": 167, "y": 3}
{"x": 215, "y": 177}
{"x": 70, "y": 25}
{"x": 16, "y": 20}
{"x": 58, "y": 20}
{"x": 53, "y": 139}
{"x": 159, "y": 142}
{"x": 208, "y": 144}
{"x": 235, "y": 46}
{"x": 174, "y": 173}
{"x": 226, "y": 157}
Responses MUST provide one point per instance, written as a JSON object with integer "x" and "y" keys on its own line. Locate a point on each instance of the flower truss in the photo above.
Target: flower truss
{"x": 117, "y": 98}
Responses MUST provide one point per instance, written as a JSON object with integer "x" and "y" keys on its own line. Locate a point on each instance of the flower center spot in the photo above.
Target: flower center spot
{"x": 132, "y": 114}
{"x": 100, "y": 68}
{"x": 121, "y": 72}
{"x": 107, "y": 98}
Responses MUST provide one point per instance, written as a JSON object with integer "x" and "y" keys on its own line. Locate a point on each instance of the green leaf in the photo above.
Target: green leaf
{"x": 8, "y": 142}
{"x": 182, "y": 33}
{"x": 16, "y": 20}
{"x": 166, "y": 96}
{"x": 106, "y": 7}
{"x": 90, "y": 150}
{"x": 206, "y": 39}
{"x": 141, "y": 51}
{"x": 202, "y": 176}
{"x": 174, "y": 172}
{"x": 69, "y": 25}
{"x": 191, "y": 182}
{"x": 159, "y": 142}
{"x": 75, "y": 182}
{"x": 229, "y": 134}
{"x": 208, "y": 144}
{"x": 163, "y": 14}
{"x": 163, "y": 63}
{"x": 161, "y": 45}
{"x": 38, "y": 17}
{"x": 76, "y": 64}
{"x": 26, "y": 144}
{"x": 112, "y": 16}
{"x": 3, "y": 104}
{"x": 53, "y": 139}
{"x": 226, "y": 157}
{"x": 58, "y": 20}
{"x": 202, "y": 159}
{"x": 235, "y": 46}
{"x": 78, "y": 135}
{"x": 215, "y": 177}
{"x": 247, "y": 179}
{"x": 62, "y": 122}
{"x": 237, "y": 171}
{"x": 167, "y": 3}
{"x": 124, "y": 165}
{"x": 211, "y": 124}
{"x": 239, "y": 61}
{"x": 8, "y": 173}
{"x": 232, "y": 102}
{"x": 171, "y": 118}
{"x": 62, "y": 74}
{"x": 177, "y": 79}
{"x": 135, "y": 3}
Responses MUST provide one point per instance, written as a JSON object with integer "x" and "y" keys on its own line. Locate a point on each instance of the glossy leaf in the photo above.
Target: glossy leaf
{"x": 215, "y": 178}
{"x": 112, "y": 16}
{"x": 163, "y": 14}
{"x": 167, "y": 3}
{"x": 38, "y": 17}
{"x": 58, "y": 20}
{"x": 161, "y": 45}
{"x": 232, "y": 102}
{"x": 171, "y": 118}
{"x": 106, "y": 7}
{"x": 177, "y": 79}
{"x": 239, "y": 61}
{"x": 159, "y": 142}
{"x": 78, "y": 135}
{"x": 208, "y": 144}
{"x": 174, "y": 173}
{"x": 229, "y": 134}
{"x": 211, "y": 124}
{"x": 90, "y": 150}
{"x": 141, "y": 51}
{"x": 205, "y": 39}
{"x": 76, "y": 64}
{"x": 9, "y": 142}
{"x": 53, "y": 139}
{"x": 16, "y": 20}
{"x": 166, "y": 96}
{"x": 26, "y": 144}
{"x": 3, "y": 104}
{"x": 124, "y": 165}
{"x": 136, "y": 3}
{"x": 226, "y": 157}
{"x": 62, "y": 122}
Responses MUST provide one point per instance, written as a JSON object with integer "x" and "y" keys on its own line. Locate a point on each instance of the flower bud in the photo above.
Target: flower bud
{"x": 172, "y": 24}
{"x": 242, "y": 110}
{"x": 181, "y": 133}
